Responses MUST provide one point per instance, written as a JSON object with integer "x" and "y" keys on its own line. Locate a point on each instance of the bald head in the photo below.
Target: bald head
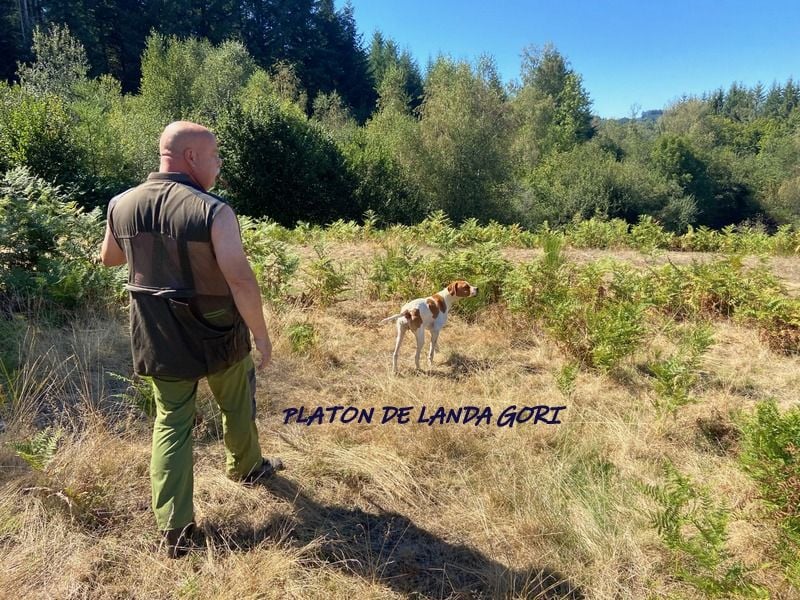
{"x": 189, "y": 148}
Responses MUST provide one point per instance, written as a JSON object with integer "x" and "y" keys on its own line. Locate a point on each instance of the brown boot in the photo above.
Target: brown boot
{"x": 180, "y": 541}
{"x": 267, "y": 469}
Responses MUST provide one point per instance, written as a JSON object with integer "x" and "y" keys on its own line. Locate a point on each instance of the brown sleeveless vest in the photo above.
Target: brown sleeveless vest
{"x": 184, "y": 322}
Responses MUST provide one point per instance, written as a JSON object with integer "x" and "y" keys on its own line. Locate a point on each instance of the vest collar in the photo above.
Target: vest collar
{"x": 176, "y": 177}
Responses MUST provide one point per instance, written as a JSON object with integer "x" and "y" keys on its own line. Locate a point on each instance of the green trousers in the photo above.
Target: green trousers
{"x": 171, "y": 464}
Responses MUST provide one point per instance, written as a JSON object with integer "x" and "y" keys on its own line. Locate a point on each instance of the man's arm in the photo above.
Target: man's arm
{"x": 227, "y": 242}
{"x": 110, "y": 253}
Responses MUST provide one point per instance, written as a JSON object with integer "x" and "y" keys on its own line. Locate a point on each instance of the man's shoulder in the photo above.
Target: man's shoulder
{"x": 113, "y": 202}
{"x": 213, "y": 201}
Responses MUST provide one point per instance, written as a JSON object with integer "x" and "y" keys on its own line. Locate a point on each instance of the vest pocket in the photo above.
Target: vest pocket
{"x": 221, "y": 346}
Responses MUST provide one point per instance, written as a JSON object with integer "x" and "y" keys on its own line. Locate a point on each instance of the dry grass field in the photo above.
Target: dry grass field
{"x": 371, "y": 510}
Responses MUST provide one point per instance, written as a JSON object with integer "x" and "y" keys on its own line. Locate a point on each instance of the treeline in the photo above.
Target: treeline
{"x": 321, "y": 42}
{"x": 454, "y": 138}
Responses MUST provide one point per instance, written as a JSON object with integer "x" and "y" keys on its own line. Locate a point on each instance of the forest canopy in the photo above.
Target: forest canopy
{"x": 316, "y": 123}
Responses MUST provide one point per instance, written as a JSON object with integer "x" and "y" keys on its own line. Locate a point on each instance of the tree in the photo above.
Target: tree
{"x": 59, "y": 67}
{"x": 385, "y": 58}
{"x": 338, "y": 62}
{"x": 464, "y": 162}
{"x": 552, "y": 111}
{"x": 225, "y": 69}
{"x": 170, "y": 68}
{"x": 721, "y": 198}
{"x": 11, "y": 38}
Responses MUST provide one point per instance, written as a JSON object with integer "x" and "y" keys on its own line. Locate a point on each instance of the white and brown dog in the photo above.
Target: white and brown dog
{"x": 427, "y": 313}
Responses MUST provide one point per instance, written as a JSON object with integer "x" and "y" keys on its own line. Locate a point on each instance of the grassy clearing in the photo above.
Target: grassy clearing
{"x": 585, "y": 508}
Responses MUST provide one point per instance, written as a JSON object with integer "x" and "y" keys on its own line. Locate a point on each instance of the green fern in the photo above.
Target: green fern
{"x": 39, "y": 449}
{"x": 675, "y": 375}
{"x": 302, "y": 337}
{"x": 771, "y": 456}
{"x": 139, "y": 393}
{"x": 324, "y": 279}
{"x": 694, "y": 528}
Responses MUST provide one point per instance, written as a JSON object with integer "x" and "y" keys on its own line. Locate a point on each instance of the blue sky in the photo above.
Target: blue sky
{"x": 628, "y": 53}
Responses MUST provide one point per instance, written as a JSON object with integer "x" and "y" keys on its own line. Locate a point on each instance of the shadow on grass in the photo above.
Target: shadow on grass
{"x": 390, "y": 549}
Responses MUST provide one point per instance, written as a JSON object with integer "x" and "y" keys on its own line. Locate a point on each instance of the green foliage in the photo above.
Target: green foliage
{"x": 771, "y": 456}
{"x": 463, "y": 163}
{"x": 139, "y": 393}
{"x": 676, "y": 374}
{"x": 223, "y": 74}
{"x": 303, "y": 337}
{"x": 647, "y": 235}
{"x": 170, "y": 68}
{"x": 39, "y": 449}
{"x": 60, "y": 64}
{"x": 193, "y": 79}
{"x": 587, "y": 181}
{"x": 377, "y": 157}
{"x": 552, "y": 110}
{"x": 573, "y": 305}
{"x": 437, "y": 230}
{"x": 272, "y": 262}
{"x": 565, "y": 379}
{"x": 596, "y": 233}
{"x": 694, "y": 528}
{"x": 278, "y": 164}
{"x": 57, "y": 123}
{"x": 50, "y": 245}
{"x": 324, "y": 280}
{"x": 395, "y": 70}
{"x": 37, "y": 133}
{"x": 391, "y": 273}
{"x": 106, "y": 169}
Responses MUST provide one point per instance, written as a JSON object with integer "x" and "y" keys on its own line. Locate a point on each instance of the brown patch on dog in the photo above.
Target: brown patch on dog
{"x": 433, "y": 306}
{"x": 413, "y": 318}
{"x": 440, "y": 303}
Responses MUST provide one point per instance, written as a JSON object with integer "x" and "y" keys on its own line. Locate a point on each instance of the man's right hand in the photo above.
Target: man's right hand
{"x": 264, "y": 347}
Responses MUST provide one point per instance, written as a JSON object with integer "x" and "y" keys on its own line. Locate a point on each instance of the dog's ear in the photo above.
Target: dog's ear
{"x": 452, "y": 288}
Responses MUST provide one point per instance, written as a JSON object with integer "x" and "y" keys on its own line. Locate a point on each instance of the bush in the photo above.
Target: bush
{"x": 588, "y": 181}
{"x": 382, "y": 184}
{"x": 39, "y": 449}
{"x": 675, "y": 375}
{"x": 597, "y": 233}
{"x": 573, "y": 305}
{"x": 647, "y": 235}
{"x": 278, "y": 164}
{"x": 50, "y": 245}
{"x": 392, "y": 274}
{"x": 272, "y": 262}
{"x": 37, "y": 133}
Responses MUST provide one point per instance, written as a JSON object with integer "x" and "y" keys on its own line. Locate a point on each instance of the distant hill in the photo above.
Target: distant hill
{"x": 646, "y": 115}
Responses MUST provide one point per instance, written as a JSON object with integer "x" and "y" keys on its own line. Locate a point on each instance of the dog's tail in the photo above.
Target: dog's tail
{"x": 392, "y": 318}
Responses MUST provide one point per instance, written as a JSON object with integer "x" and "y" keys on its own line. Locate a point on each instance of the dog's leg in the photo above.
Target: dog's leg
{"x": 420, "y": 343}
{"x": 401, "y": 332}
{"x": 434, "y": 346}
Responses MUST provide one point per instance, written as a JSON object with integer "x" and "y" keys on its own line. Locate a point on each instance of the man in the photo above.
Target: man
{"x": 193, "y": 298}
